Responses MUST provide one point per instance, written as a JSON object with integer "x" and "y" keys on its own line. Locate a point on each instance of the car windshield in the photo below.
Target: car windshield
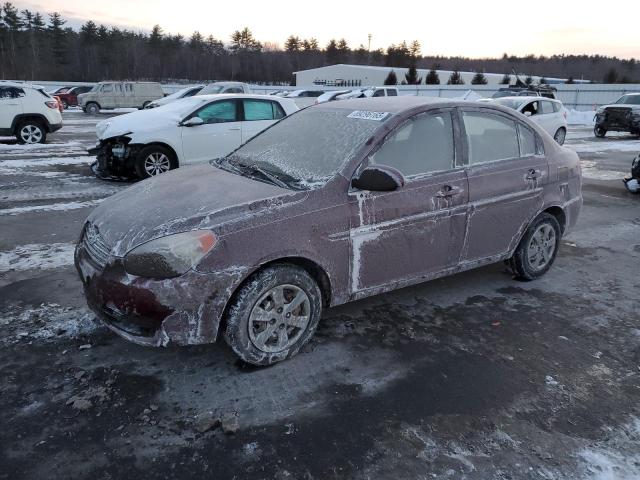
{"x": 308, "y": 148}
{"x": 629, "y": 100}
{"x": 509, "y": 103}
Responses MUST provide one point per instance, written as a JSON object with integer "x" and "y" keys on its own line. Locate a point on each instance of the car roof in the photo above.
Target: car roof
{"x": 392, "y": 104}
{"x": 525, "y": 98}
{"x": 5, "y": 83}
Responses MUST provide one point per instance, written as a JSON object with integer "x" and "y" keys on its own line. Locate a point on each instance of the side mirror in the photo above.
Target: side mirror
{"x": 192, "y": 122}
{"x": 378, "y": 178}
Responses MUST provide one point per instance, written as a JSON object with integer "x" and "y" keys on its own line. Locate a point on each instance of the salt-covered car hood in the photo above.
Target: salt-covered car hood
{"x": 190, "y": 198}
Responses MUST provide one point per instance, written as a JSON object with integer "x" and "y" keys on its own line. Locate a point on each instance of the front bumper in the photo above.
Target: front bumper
{"x": 186, "y": 310}
{"x": 108, "y": 164}
{"x": 54, "y": 127}
{"x": 617, "y": 121}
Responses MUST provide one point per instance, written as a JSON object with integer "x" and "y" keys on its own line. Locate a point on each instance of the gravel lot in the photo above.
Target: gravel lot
{"x": 476, "y": 376}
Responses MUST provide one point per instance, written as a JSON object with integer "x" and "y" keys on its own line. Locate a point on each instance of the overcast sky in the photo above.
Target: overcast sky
{"x": 474, "y": 28}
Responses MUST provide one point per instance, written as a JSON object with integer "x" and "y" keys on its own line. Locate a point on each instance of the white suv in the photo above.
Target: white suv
{"x": 28, "y": 112}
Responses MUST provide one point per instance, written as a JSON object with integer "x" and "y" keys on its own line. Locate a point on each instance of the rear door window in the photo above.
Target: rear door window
{"x": 378, "y": 93}
{"x": 547, "y": 107}
{"x": 391, "y": 92}
{"x": 422, "y": 145}
{"x": 107, "y": 88}
{"x": 262, "y": 110}
{"x": 490, "y": 137}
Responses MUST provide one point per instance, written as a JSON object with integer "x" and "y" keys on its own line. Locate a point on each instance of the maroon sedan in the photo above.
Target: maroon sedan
{"x": 334, "y": 203}
{"x": 69, "y": 96}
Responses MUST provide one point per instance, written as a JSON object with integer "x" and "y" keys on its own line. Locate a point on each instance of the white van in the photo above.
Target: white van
{"x": 109, "y": 95}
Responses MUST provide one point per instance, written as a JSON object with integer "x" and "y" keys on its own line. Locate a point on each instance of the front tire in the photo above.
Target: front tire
{"x": 538, "y": 248}
{"x": 65, "y": 104}
{"x": 599, "y": 132}
{"x": 560, "y": 136}
{"x": 273, "y": 314}
{"x": 155, "y": 160}
{"x": 31, "y": 132}
{"x": 145, "y": 105}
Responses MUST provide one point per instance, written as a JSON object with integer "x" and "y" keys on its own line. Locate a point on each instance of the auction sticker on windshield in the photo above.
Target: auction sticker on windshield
{"x": 367, "y": 115}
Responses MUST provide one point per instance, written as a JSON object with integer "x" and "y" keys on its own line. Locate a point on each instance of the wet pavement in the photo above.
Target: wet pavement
{"x": 475, "y": 376}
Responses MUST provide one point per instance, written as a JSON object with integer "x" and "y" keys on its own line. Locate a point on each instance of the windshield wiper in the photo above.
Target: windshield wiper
{"x": 268, "y": 175}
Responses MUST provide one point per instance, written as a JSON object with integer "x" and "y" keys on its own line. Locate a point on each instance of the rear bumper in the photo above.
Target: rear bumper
{"x": 184, "y": 311}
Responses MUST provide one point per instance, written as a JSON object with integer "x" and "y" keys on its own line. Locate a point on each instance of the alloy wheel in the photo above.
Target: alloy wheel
{"x": 542, "y": 246}
{"x": 31, "y": 134}
{"x": 157, "y": 163}
{"x": 279, "y": 318}
{"x": 560, "y": 136}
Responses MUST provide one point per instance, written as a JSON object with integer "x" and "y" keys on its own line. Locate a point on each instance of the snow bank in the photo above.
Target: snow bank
{"x": 46, "y": 322}
{"x": 580, "y": 117}
{"x": 51, "y": 207}
{"x": 37, "y": 256}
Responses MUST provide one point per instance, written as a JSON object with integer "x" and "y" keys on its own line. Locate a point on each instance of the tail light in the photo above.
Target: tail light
{"x": 52, "y": 104}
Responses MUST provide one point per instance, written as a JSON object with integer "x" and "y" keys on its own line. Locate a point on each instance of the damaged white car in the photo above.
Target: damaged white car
{"x": 186, "y": 131}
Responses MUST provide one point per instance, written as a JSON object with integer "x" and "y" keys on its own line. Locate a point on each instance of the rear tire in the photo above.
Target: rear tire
{"x": 560, "y": 136}
{"x": 92, "y": 108}
{"x": 31, "y": 132}
{"x": 599, "y": 132}
{"x": 538, "y": 248}
{"x": 155, "y": 160}
{"x": 145, "y": 105}
{"x": 273, "y": 314}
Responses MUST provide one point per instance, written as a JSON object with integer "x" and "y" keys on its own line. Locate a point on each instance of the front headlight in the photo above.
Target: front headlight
{"x": 101, "y": 128}
{"x": 169, "y": 256}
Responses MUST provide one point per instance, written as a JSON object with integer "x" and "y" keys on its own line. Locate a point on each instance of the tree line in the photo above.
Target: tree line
{"x": 39, "y": 46}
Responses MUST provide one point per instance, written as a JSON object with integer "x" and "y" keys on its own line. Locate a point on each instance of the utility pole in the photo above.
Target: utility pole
{"x": 369, "y": 49}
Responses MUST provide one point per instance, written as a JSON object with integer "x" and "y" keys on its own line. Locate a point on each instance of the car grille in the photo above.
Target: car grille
{"x": 617, "y": 115}
{"x": 95, "y": 245}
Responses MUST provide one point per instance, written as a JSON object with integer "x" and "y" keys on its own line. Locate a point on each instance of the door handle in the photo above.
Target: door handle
{"x": 449, "y": 191}
{"x": 532, "y": 174}
{"x": 235, "y": 129}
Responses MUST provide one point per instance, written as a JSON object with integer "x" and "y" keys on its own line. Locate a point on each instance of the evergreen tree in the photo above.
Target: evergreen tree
{"x": 528, "y": 81}
{"x": 542, "y": 81}
{"x": 432, "y": 77}
{"x": 58, "y": 38}
{"x": 331, "y": 52}
{"x": 506, "y": 79}
{"x": 455, "y": 78}
{"x": 569, "y": 80}
{"x": 479, "y": 79}
{"x": 611, "y": 76}
{"x": 411, "y": 76}
{"x": 292, "y": 44}
{"x": 391, "y": 79}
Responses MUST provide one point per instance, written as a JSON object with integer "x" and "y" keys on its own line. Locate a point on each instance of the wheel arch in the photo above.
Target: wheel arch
{"x": 559, "y": 215}
{"x": 21, "y": 118}
{"x": 141, "y": 146}
{"x": 317, "y": 272}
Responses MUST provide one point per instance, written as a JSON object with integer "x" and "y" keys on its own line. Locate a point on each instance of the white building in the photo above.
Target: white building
{"x": 365, "y": 75}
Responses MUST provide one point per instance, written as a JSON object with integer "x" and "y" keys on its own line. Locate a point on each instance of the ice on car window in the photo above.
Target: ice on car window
{"x": 490, "y": 137}
{"x": 311, "y": 145}
{"x": 424, "y": 144}
{"x": 218, "y": 112}
{"x": 527, "y": 141}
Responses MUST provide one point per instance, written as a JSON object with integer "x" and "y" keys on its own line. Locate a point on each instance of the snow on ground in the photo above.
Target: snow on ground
{"x": 10, "y": 147}
{"x": 48, "y": 321}
{"x": 37, "y": 256}
{"x": 52, "y": 207}
{"x": 619, "y": 459}
{"x": 619, "y": 145}
{"x": 590, "y": 170}
{"x": 38, "y": 162}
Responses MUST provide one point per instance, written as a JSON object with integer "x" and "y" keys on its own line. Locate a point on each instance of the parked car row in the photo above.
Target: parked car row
{"x": 327, "y": 204}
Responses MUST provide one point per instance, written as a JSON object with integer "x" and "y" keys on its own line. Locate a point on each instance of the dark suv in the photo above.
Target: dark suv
{"x": 621, "y": 116}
